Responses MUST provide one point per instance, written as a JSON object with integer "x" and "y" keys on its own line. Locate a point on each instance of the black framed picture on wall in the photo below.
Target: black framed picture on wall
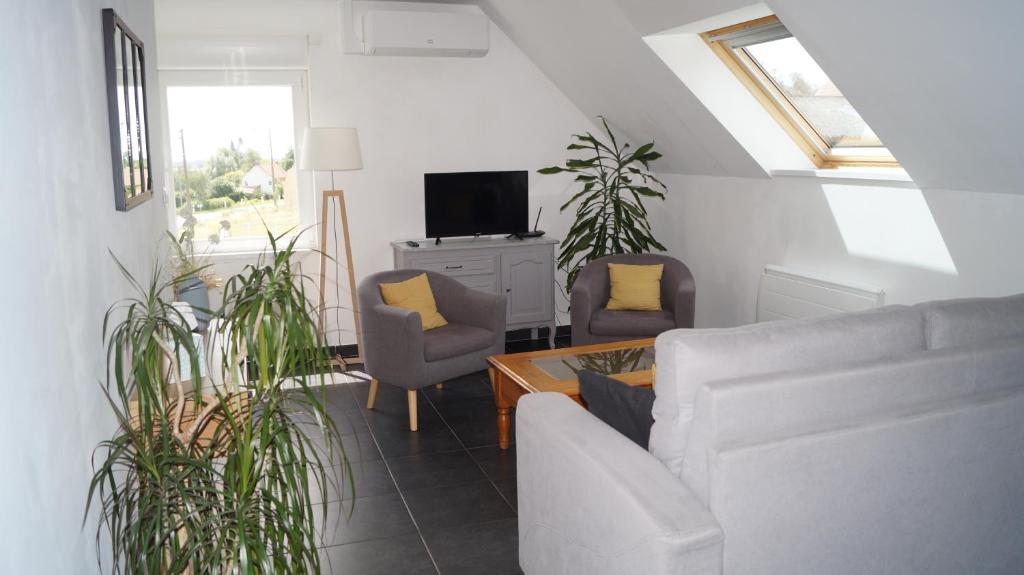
{"x": 125, "y": 62}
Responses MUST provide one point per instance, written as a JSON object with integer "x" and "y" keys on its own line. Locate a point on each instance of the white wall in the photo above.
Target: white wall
{"x": 414, "y": 115}
{"x": 56, "y": 223}
{"x": 915, "y": 245}
{"x": 418, "y": 115}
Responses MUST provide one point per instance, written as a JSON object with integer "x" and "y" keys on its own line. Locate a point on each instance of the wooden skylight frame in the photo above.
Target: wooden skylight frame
{"x": 779, "y": 106}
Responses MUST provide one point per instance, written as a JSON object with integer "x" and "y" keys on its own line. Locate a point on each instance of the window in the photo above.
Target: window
{"x": 233, "y": 154}
{"x": 797, "y": 92}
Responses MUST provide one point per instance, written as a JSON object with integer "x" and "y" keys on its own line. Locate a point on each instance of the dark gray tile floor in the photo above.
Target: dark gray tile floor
{"x": 441, "y": 500}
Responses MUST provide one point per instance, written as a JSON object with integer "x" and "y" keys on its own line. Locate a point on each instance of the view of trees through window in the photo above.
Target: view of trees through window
{"x": 233, "y": 154}
{"x": 811, "y": 92}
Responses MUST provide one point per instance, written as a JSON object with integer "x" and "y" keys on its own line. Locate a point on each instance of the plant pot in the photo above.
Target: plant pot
{"x": 193, "y": 291}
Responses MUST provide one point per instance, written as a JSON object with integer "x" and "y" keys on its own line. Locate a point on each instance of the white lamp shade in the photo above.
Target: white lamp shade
{"x": 331, "y": 149}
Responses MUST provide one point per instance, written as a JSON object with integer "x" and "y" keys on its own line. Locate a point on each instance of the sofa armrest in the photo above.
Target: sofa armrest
{"x": 684, "y": 305}
{"x": 678, "y": 292}
{"x": 393, "y": 342}
{"x": 592, "y": 501}
{"x": 582, "y": 305}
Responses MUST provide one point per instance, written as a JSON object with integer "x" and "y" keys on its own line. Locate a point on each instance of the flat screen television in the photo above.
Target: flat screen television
{"x": 475, "y": 203}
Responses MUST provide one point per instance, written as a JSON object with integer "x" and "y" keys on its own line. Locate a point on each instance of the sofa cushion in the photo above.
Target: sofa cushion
{"x": 453, "y": 340}
{"x": 625, "y": 408}
{"x": 687, "y": 359}
{"x": 959, "y": 322}
{"x": 631, "y": 323}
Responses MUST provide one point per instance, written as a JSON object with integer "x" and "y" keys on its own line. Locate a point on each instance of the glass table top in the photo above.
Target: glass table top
{"x": 604, "y": 362}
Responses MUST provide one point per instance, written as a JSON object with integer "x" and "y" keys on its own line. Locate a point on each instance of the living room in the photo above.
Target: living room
{"x": 324, "y": 121}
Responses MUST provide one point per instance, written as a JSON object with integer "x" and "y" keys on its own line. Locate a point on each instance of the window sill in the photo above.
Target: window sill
{"x": 246, "y": 249}
{"x": 886, "y": 176}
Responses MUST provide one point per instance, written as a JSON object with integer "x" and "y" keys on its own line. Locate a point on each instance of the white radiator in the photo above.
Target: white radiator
{"x": 789, "y": 294}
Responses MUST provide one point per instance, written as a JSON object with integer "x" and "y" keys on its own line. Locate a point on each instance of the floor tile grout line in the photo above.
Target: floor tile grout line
{"x": 463, "y": 449}
{"x": 477, "y": 463}
{"x": 401, "y": 495}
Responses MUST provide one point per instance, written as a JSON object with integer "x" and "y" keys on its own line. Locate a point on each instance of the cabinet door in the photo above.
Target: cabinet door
{"x": 528, "y": 280}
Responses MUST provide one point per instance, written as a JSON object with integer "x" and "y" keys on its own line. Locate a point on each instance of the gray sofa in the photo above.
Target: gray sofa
{"x": 591, "y": 323}
{"x": 398, "y": 352}
{"x": 888, "y": 441}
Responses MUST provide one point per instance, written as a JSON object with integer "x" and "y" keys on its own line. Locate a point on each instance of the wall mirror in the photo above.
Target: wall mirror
{"x": 128, "y": 112}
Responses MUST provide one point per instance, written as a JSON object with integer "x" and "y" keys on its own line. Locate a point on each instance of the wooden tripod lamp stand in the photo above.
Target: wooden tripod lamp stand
{"x": 334, "y": 150}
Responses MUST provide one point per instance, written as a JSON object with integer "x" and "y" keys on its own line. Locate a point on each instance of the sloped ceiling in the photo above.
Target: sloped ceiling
{"x": 599, "y": 59}
{"x": 939, "y": 80}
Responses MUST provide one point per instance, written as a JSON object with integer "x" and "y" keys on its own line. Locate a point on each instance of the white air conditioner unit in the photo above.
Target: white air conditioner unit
{"x": 415, "y": 33}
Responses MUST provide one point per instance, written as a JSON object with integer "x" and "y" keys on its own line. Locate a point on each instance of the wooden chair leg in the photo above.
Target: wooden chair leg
{"x": 413, "y": 423}
{"x": 373, "y": 394}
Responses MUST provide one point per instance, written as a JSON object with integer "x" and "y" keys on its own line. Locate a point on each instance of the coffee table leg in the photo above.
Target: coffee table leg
{"x": 504, "y": 408}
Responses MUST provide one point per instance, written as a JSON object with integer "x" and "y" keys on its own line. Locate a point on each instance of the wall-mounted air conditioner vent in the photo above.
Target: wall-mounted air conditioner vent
{"x": 409, "y": 33}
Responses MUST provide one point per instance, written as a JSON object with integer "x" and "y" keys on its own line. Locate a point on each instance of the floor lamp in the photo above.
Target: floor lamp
{"x": 334, "y": 150}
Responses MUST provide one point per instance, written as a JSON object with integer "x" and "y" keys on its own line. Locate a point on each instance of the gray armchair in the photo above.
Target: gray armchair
{"x": 592, "y": 323}
{"x": 398, "y": 352}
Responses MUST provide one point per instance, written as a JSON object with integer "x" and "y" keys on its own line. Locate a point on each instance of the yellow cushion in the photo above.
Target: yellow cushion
{"x": 635, "y": 287}
{"x": 414, "y": 294}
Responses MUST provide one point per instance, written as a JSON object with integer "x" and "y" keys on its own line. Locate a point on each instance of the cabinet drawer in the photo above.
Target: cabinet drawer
{"x": 484, "y": 283}
{"x": 461, "y": 266}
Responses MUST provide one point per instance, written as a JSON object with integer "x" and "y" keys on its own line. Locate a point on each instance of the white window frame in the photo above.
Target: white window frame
{"x": 298, "y": 81}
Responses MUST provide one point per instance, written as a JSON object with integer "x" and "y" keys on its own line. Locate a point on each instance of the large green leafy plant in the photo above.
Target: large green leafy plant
{"x": 222, "y": 482}
{"x": 610, "y": 214}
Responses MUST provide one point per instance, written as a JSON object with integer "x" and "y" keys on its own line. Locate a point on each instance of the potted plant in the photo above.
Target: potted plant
{"x": 194, "y": 275}
{"x": 222, "y": 482}
{"x": 610, "y": 214}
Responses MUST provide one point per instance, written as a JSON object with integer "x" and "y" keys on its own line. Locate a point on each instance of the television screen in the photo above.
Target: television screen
{"x": 472, "y": 203}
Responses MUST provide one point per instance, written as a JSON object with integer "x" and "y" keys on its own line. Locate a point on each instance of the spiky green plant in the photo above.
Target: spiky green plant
{"x": 236, "y": 499}
{"x": 611, "y": 217}
{"x": 188, "y": 263}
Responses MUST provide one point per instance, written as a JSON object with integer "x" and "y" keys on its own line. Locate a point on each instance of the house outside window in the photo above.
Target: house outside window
{"x": 233, "y": 141}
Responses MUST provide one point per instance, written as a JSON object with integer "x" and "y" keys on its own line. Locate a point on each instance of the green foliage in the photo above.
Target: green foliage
{"x": 227, "y": 185}
{"x": 219, "y": 203}
{"x": 187, "y": 263}
{"x": 289, "y": 159}
{"x": 238, "y": 501}
{"x": 235, "y": 157}
{"x": 142, "y": 461}
{"x": 197, "y": 185}
{"x": 610, "y": 213}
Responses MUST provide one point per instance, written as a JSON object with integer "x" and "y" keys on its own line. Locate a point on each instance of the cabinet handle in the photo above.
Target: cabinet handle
{"x": 508, "y": 290}
{"x": 453, "y": 267}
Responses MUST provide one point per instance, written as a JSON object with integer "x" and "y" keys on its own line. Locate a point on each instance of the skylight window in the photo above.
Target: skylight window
{"x": 799, "y": 95}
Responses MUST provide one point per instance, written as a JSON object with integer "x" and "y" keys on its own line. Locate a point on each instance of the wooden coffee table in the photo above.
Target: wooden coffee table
{"x": 516, "y": 374}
